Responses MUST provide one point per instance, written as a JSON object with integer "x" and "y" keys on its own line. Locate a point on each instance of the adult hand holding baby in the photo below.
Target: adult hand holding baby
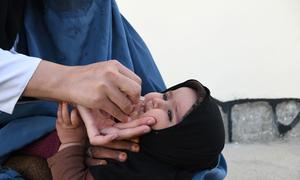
{"x": 102, "y": 130}
{"x": 108, "y": 138}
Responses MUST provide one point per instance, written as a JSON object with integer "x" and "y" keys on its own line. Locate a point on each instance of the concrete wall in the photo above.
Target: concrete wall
{"x": 261, "y": 120}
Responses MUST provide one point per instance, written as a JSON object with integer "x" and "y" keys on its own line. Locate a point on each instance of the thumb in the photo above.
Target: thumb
{"x": 75, "y": 118}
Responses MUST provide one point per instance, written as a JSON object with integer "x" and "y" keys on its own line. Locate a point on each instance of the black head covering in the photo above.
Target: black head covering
{"x": 179, "y": 151}
{"x": 196, "y": 141}
{"x": 11, "y": 21}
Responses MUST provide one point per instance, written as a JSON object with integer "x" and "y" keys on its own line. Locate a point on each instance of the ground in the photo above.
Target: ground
{"x": 269, "y": 161}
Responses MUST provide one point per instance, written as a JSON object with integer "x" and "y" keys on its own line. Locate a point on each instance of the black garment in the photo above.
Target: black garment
{"x": 11, "y": 21}
{"x": 176, "y": 152}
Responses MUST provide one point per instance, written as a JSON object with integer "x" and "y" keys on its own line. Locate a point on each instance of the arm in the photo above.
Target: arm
{"x": 69, "y": 162}
{"x": 108, "y": 86}
{"x": 15, "y": 72}
{"x": 49, "y": 81}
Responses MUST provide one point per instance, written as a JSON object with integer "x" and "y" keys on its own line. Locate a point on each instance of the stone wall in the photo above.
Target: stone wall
{"x": 261, "y": 120}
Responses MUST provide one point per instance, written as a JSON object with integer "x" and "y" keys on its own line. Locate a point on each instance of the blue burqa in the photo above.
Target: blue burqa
{"x": 77, "y": 32}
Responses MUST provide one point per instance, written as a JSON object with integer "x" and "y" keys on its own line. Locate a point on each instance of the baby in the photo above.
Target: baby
{"x": 188, "y": 136}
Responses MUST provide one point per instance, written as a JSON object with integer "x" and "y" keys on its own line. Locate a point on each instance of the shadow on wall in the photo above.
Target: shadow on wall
{"x": 261, "y": 120}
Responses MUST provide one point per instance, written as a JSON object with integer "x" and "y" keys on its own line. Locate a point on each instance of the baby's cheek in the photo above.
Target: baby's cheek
{"x": 162, "y": 122}
{"x": 161, "y": 117}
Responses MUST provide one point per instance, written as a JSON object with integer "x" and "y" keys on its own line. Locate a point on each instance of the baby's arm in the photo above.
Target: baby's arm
{"x": 69, "y": 162}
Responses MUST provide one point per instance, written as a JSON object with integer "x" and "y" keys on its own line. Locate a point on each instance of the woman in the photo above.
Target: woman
{"x": 77, "y": 40}
{"x": 63, "y": 34}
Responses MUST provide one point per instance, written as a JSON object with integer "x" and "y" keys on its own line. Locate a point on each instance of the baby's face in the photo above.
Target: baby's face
{"x": 168, "y": 108}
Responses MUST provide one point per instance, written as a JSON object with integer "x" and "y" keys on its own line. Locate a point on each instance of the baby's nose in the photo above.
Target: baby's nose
{"x": 159, "y": 103}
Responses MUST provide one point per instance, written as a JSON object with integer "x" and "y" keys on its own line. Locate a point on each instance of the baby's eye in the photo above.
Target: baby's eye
{"x": 170, "y": 115}
{"x": 165, "y": 97}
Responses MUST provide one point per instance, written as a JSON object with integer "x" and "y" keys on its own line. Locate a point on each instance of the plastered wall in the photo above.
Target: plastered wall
{"x": 239, "y": 49}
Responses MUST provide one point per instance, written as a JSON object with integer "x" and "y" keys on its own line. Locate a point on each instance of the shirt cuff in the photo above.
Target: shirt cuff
{"x": 15, "y": 72}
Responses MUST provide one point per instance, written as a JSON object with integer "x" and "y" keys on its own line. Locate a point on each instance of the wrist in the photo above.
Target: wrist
{"x": 70, "y": 144}
{"x": 72, "y": 138}
{"x": 50, "y": 81}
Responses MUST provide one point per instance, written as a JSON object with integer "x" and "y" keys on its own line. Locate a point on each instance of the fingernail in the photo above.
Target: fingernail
{"x": 150, "y": 121}
{"x": 135, "y": 148}
{"x": 147, "y": 130}
{"x": 102, "y": 162}
{"x": 136, "y": 140}
{"x": 122, "y": 156}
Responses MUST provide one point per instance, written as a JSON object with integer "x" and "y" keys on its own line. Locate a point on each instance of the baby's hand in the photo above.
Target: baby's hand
{"x": 70, "y": 128}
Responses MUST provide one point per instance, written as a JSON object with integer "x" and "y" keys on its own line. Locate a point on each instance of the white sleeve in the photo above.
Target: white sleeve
{"x": 15, "y": 72}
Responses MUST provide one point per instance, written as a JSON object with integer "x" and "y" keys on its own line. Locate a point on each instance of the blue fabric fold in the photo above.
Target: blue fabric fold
{"x": 9, "y": 174}
{"x": 29, "y": 122}
{"x": 93, "y": 32}
{"x": 217, "y": 173}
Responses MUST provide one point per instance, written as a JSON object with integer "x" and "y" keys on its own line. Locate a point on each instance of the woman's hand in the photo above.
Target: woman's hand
{"x": 108, "y": 86}
{"x": 102, "y": 129}
{"x": 113, "y": 150}
{"x": 100, "y": 124}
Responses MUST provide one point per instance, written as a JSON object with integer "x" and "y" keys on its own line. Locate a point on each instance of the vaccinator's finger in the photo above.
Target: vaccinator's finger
{"x": 130, "y": 74}
{"x": 135, "y": 140}
{"x": 133, "y": 132}
{"x": 115, "y": 111}
{"x": 109, "y": 130}
{"x": 123, "y": 145}
{"x": 102, "y": 139}
{"x": 95, "y": 162}
{"x": 128, "y": 87}
{"x": 106, "y": 153}
{"x": 121, "y": 99}
{"x": 135, "y": 123}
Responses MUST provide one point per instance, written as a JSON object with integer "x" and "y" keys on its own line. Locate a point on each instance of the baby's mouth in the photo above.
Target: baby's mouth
{"x": 139, "y": 109}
